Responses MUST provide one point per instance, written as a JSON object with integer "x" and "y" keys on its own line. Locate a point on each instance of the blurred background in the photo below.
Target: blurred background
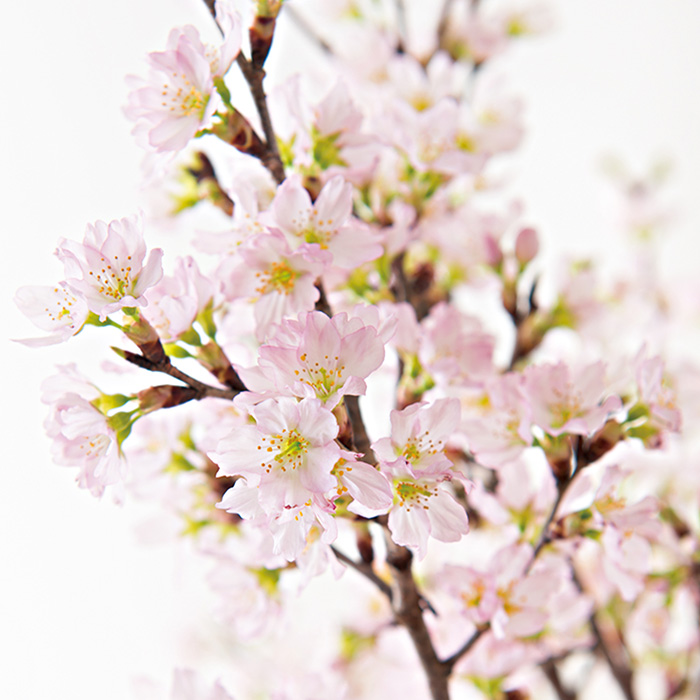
{"x": 84, "y": 604}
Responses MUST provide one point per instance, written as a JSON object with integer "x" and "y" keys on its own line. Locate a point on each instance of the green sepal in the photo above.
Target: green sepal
{"x": 286, "y": 150}
{"x": 324, "y": 150}
{"x": 185, "y": 438}
{"x": 107, "y": 402}
{"x": 268, "y": 579}
{"x": 352, "y": 643}
{"x": 205, "y": 318}
{"x": 122, "y": 423}
{"x": 636, "y": 412}
{"x": 191, "y": 337}
{"x": 490, "y": 687}
{"x": 179, "y": 464}
{"x": 173, "y": 350}
{"x": 643, "y": 432}
{"x": 223, "y": 91}
{"x": 131, "y": 311}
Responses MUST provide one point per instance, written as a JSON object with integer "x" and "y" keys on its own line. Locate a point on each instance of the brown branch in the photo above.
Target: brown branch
{"x": 201, "y": 390}
{"x": 254, "y": 76}
{"x": 360, "y": 438}
{"x": 203, "y": 172}
{"x": 617, "y": 664}
{"x": 322, "y": 304}
{"x": 408, "y": 612}
{"x": 544, "y": 538}
{"x": 465, "y": 648}
{"x": 619, "y": 668}
{"x": 550, "y": 670}
{"x": 366, "y": 570}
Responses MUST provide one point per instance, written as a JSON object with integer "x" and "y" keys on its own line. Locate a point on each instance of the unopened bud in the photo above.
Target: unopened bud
{"x": 142, "y": 333}
{"x": 164, "y": 396}
{"x": 526, "y": 245}
{"x": 216, "y": 362}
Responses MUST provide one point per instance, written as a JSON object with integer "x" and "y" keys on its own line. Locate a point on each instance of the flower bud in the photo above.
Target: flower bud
{"x": 526, "y": 245}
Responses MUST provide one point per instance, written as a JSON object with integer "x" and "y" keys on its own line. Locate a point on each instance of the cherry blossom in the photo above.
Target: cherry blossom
{"x": 179, "y": 97}
{"x": 52, "y": 308}
{"x": 278, "y": 280}
{"x": 286, "y": 461}
{"x": 319, "y": 356}
{"x": 110, "y": 262}
{"x": 328, "y": 221}
{"x": 175, "y": 302}
{"x": 82, "y": 435}
{"x": 566, "y": 400}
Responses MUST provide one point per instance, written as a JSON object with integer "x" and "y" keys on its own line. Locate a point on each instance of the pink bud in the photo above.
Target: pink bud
{"x": 526, "y": 245}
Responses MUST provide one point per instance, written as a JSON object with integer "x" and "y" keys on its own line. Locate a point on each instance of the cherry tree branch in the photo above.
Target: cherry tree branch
{"x": 360, "y": 438}
{"x": 408, "y": 612}
{"x": 254, "y": 75}
{"x": 549, "y": 668}
{"x": 617, "y": 664}
{"x": 449, "y": 662}
{"x": 366, "y": 570}
{"x": 201, "y": 390}
{"x": 544, "y": 538}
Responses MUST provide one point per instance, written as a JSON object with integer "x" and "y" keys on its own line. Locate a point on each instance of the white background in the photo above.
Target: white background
{"x": 84, "y": 606}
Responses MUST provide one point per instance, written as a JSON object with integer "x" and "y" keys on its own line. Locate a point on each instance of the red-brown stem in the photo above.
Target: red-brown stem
{"x": 201, "y": 390}
{"x": 408, "y": 612}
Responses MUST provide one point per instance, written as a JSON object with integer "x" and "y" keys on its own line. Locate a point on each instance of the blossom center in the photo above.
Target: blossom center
{"x": 279, "y": 278}
{"x": 290, "y": 447}
{"x": 414, "y": 493}
{"x": 323, "y": 378}
{"x": 114, "y": 281}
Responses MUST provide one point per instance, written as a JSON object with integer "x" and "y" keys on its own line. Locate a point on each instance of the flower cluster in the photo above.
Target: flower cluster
{"x": 365, "y": 375}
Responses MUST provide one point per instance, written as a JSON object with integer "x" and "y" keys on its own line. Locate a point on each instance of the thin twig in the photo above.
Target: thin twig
{"x": 305, "y": 27}
{"x": 465, "y": 648}
{"x": 254, "y": 76}
{"x": 401, "y": 26}
{"x": 550, "y": 670}
{"x": 201, "y": 389}
{"x": 443, "y": 22}
{"x": 618, "y": 666}
{"x": 366, "y": 570}
{"x": 544, "y": 538}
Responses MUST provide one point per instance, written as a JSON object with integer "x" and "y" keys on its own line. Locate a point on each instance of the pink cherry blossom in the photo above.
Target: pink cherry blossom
{"x": 454, "y": 347}
{"x": 186, "y": 685}
{"x": 497, "y": 426}
{"x": 369, "y": 488}
{"x": 566, "y": 400}
{"x": 418, "y": 437}
{"x": 279, "y": 281}
{"x": 52, "y": 308}
{"x": 286, "y": 461}
{"x": 82, "y": 435}
{"x": 424, "y": 508}
{"x": 655, "y": 394}
{"x": 328, "y": 221}
{"x": 110, "y": 262}
{"x": 173, "y": 303}
{"x": 317, "y": 356}
{"x": 179, "y": 96}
